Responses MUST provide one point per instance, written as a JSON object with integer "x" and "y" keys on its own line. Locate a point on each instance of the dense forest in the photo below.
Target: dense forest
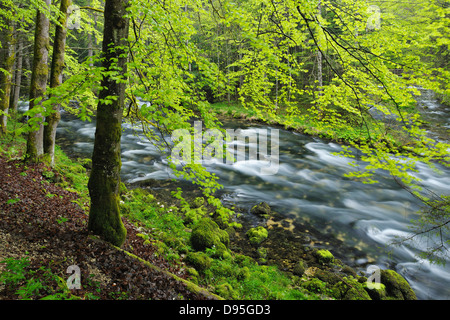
{"x": 323, "y": 68}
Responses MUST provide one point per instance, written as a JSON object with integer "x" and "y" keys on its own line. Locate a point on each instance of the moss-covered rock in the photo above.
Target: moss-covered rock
{"x": 299, "y": 268}
{"x": 396, "y": 286}
{"x": 207, "y": 234}
{"x": 324, "y": 256}
{"x": 199, "y": 260}
{"x": 198, "y": 202}
{"x": 261, "y": 209}
{"x": 242, "y": 260}
{"x": 262, "y": 255}
{"x": 314, "y": 285}
{"x": 377, "y": 291}
{"x": 349, "y": 289}
{"x": 327, "y": 276}
{"x": 257, "y": 235}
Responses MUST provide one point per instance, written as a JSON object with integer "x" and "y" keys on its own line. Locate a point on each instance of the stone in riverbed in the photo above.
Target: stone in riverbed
{"x": 257, "y": 235}
{"x": 324, "y": 256}
{"x": 300, "y": 268}
{"x": 261, "y": 209}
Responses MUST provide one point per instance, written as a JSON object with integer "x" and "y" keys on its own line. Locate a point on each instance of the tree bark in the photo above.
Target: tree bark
{"x": 17, "y": 75}
{"x": 104, "y": 181}
{"x": 39, "y": 77}
{"x": 319, "y": 57}
{"x": 59, "y": 47}
{"x": 7, "y": 64}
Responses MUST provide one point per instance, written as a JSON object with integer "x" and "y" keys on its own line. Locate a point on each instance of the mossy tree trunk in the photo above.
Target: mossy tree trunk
{"x": 104, "y": 181}
{"x": 7, "y": 64}
{"x": 39, "y": 77}
{"x": 56, "y": 74}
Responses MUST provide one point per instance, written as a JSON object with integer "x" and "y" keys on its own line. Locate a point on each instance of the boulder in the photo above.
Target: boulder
{"x": 207, "y": 234}
{"x": 324, "y": 256}
{"x": 299, "y": 268}
{"x": 376, "y": 291}
{"x": 350, "y": 289}
{"x": 396, "y": 286}
{"x": 257, "y": 235}
{"x": 261, "y": 209}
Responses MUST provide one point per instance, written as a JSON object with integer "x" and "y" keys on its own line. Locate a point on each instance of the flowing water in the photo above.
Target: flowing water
{"x": 309, "y": 186}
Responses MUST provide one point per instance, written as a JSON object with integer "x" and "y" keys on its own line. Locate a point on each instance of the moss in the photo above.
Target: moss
{"x": 194, "y": 275}
{"x": 327, "y": 276}
{"x": 261, "y": 209}
{"x": 314, "y": 285}
{"x": 85, "y": 162}
{"x": 104, "y": 214}
{"x": 257, "y": 235}
{"x": 226, "y": 291}
{"x": 198, "y": 202}
{"x": 262, "y": 255}
{"x": 243, "y": 260}
{"x": 299, "y": 268}
{"x": 243, "y": 273}
{"x": 324, "y": 256}
{"x": 376, "y": 292}
{"x": 350, "y": 289}
{"x": 199, "y": 260}
{"x": 207, "y": 234}
{"x": 396, "y": 286}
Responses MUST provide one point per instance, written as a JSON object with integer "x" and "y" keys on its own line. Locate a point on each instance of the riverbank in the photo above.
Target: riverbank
{"x": 354, "y": 131}
{"x": 245, "y": 267}
{"x": 43, "y": 231}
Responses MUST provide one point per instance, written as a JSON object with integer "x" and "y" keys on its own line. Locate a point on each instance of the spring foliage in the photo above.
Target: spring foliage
{"x": 183, "y": 55}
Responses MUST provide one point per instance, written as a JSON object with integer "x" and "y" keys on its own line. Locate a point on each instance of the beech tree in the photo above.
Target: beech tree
{"x": 6, "y": 66}
{"x": 104, "y": 181}
{"x": 56, "y": 74}
{"x": 39, "y": 77}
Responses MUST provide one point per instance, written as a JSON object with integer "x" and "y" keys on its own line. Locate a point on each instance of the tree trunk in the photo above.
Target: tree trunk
{"x": 7, "y": 64}
{"x": 319, "y": 58}
{"x": 56, "y": 74}
{"x": 18, "y": 74}
{"x": 35, "y": 143}
{"x": 104, "y": 216}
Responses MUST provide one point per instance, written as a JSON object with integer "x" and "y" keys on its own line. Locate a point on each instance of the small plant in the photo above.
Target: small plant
{"x": 61, "y": 220}
{"x": 14, "y": 272}
{"x": 28, "y": 283}
{"x": 13, "y": 201}
{"x": 30, "y": 289}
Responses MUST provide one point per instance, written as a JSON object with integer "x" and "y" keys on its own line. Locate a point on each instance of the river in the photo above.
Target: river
{"x": 309, "y": 186}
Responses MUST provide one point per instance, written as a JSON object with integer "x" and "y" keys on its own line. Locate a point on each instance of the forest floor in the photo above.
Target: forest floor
{"x": 39, "y": 221}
